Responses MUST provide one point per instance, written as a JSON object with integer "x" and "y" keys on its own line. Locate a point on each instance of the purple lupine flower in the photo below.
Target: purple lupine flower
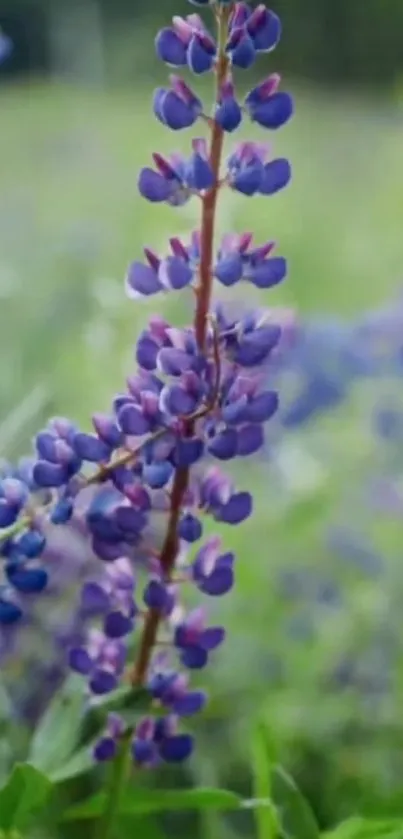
{"x": 267, "y": 106}
{"x": 158, "y": 740}
{"x": 177, "y": 107}
{"x": 212, "y": 570}
{"x": 236, "y": 262}
{"x": 175, "y": 177}
{"x": 189, "y": 42}
{"x": 57, "y": 458}
{"x": 13, "y": 496}
{"x": 174, "y": 272}
{"x": 107, "y": 745}
{"x": 195, "y": 640}
{"x": 101, "y": 660}
{"x": 197, "y": 392}
{"x": 249, "y": 173}
{"x": 171, "y": 689}
{"x": 112, "y": 596}
{"x": 228, "y": 112}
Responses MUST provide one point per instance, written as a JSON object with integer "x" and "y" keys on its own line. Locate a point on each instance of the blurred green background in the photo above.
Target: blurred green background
{"x": 76, "y": 126}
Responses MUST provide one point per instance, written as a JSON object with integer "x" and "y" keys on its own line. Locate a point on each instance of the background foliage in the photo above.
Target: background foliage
{"x": 347, "y": 41}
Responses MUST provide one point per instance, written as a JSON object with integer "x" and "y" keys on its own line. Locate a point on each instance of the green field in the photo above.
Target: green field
{"x": 71, "y": 221}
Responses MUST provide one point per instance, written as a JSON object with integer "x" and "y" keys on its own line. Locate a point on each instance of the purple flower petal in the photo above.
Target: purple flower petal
{"x": 117, "y": 625}
{"x": 262, "y": 407}
{"x": 224, "y": 445}
{"x": 177, "y": 401}
{"x": 219, "y": 582}
{"x": 228, "y": 115}
{"x": 102, "y": 682}
{"x": 194, "y": 657}
{"x": 147, "y": 352}
{"x": 132, "y": 420}
{"x": 154, "y": 186}
{"x": 248, "y": 179}
{"x": 31, "y": 543}
{"x": 143, "y": 751}
{"x": 174, "y": 362}
{"x": 189, "y": 704}
{"x": 142, "y": 281}
{"x": 107, "y": 551}
{"x": 107, "y": 430}
{"x": 9, "y": 512}
{"x": 276, "y": 175}
{"x": 105, "y": 749}
{"x": 268, "y": 273}
{"x": 45, "y": 444}
{"x": 94, "y": 599}
{"x": 273, "y": 112}
{"x": 190, "y": 528}
{"x": 264, "y": 27}
{"x": 177, "y": 748}
{"x": 79, "y": 661}
{"x": 250, "y": 439}
{"x": 188, "y": 451}
{"x": 229, "y": 269}
{"x": 238, "y": 508}
{"x": 156, "y": 595}
{"x": 212, "y": 637}
{"x": 172, "y": 111}
{"x": 236, "y": 412}
{"x": 243, "y": 53}
{"x": 199, "y": 174}
{"x": 175, "y": 273}
{"x": 91, "y": 448}
{"x": 47, "y": 474}
{"x": 130, "y": 520}
{"x": 170, "y": 48}
{"x": 9, "y": 613}
{"x": 157, "y": 475}
{"x": 200, "y": 59}
{"x": 256, "y": 346}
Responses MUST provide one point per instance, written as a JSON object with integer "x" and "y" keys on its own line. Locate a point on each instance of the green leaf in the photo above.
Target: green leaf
{"x": 265, "y": 816}
{"x": 80, "y": 762}
{"x": 59, "y": 729}
{"x": 295, "y": 816}
{"x": 67, "y": 712}
{"x": 142, "y": 801}
{"x": 359, "y": 828}
{"x": 25, "y": 792}
{"x": 130, "y": 826}
{"x": 127, "y": 700}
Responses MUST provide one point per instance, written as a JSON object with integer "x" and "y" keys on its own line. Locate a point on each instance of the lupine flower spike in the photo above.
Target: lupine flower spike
{"x": 138, "y": 487}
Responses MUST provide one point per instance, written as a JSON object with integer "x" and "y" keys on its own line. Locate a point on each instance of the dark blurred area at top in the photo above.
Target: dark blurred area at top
{"x": 343, "y": 41}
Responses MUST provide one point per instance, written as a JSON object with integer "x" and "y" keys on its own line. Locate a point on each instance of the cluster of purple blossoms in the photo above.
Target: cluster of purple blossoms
{"x": 139, "y": 485}
{"x": 176, "y": 179}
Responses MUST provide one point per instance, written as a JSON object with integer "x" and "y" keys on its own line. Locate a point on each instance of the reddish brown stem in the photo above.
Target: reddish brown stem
{"x": 208, "y": 221}
{"x": 167, "y": 560}
{"x": 170, "y": 547}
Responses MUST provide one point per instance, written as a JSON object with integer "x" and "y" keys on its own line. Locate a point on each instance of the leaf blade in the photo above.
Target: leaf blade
{"x": 296, "y": 819}
{"x": 265, "y": 816}
{"x": 26, "y": 791}
{"x": 144, "y": 801}
{"x": 58, "y": 732}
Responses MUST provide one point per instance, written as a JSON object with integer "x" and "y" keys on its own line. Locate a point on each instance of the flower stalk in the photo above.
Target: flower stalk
{"x": 197, "y": 394}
